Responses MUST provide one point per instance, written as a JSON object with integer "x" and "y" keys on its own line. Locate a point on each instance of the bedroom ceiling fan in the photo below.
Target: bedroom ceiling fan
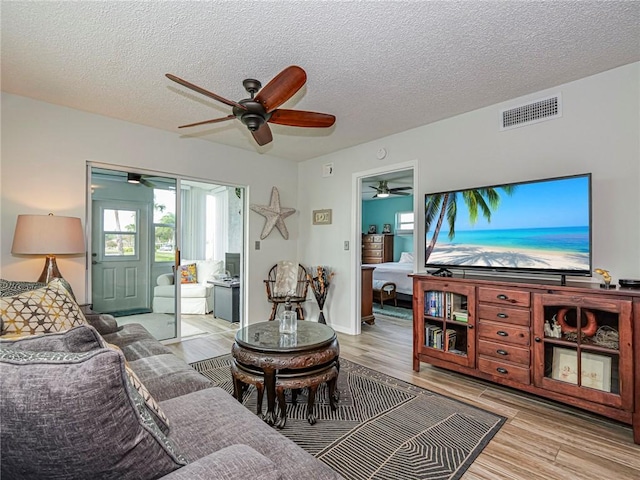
{"x": 257, "y": 112}
{"x": 383, "y": 190}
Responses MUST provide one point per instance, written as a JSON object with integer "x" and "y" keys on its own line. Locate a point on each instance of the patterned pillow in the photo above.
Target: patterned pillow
{"x": 8, "y": 287}
{"x": 188, "y": 273}
{"x": 156, "y": 412}
{"x": 76, "y": 415}
{"x": 45, "y": 310}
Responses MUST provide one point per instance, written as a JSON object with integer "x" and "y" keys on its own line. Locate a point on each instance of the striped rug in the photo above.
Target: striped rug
{"x": 384, "y": 428}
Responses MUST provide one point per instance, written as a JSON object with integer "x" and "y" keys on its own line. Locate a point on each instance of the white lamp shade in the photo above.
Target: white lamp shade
{"x": 48, "y": 235}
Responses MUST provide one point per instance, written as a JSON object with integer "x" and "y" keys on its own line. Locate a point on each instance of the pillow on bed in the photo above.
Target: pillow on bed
{"x": 406, "y": 257}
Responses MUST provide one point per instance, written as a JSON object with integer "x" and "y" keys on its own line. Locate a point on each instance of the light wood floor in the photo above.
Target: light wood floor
{"x": 540, "y": 440}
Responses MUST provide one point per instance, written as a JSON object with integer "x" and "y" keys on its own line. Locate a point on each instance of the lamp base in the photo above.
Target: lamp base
{"x": 50, "y": 270}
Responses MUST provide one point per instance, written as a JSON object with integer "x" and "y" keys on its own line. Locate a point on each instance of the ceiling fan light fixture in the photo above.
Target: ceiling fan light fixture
{"x": 253, "y": 121}
{"x": 383, "y": 195}
{"x": 134, "y": 178}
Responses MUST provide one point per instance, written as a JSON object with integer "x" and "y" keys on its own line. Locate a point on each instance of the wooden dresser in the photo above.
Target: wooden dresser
{"x": 377, "y": 248}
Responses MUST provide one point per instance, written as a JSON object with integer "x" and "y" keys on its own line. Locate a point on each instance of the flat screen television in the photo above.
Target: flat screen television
{"x": 539, "y": 226}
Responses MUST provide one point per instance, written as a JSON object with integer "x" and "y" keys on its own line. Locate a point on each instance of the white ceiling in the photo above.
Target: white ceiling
{"x": 380, "y": 67}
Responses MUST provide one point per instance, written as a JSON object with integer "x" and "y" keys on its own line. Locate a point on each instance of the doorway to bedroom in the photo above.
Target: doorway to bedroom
{"x": 386, "y": 220}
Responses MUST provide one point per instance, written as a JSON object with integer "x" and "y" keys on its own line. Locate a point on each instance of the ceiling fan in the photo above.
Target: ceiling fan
{"x": 383, "y": 190}
{"x": 257, "y": 112}
{"x": 136, "y": 178}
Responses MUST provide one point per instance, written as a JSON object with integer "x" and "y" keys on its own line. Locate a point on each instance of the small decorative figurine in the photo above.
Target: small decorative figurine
{"x": 606, "y": 278}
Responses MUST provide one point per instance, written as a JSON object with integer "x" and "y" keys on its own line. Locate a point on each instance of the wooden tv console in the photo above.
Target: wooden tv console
{"x": 494, "y": 329}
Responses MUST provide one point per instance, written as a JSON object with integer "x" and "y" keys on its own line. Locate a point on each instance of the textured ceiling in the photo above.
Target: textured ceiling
{"x": 379, "y": 67}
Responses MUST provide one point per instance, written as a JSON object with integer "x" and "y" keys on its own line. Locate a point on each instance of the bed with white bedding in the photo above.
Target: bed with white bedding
{"x": 396, "y": 272}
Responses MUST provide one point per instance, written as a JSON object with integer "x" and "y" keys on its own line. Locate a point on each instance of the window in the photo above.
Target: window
{"x": 120, "y": 229}
{"x": 404, "y": 223}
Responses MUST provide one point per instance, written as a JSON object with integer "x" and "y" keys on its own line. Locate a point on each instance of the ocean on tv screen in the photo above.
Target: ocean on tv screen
{"x": 554, "y": 248}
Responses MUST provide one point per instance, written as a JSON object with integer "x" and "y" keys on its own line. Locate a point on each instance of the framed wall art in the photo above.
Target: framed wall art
{"x": 322, "y": 217}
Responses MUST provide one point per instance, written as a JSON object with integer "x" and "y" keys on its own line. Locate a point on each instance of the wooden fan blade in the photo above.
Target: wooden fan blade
{"x": 263, "y": 135}
{"x": 281, "y": 88}
{"x": 300, "y": 118}
{"x": 204, "y": 92}
{"x": 215, "y": 120}
{"x": 399, "y": 193}
{"x": 395, "y": 189}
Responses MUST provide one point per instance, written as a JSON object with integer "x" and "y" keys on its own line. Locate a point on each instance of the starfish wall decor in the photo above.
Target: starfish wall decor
{"x": 275, "y": 215}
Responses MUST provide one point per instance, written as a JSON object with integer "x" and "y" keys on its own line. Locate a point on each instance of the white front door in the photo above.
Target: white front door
{"x": 120, "y": 256}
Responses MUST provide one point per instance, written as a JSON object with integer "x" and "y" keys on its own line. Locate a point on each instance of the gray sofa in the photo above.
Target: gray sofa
{"x": 68, "y": 411}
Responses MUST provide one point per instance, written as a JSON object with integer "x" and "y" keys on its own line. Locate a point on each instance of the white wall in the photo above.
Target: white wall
{"x": 45, "y": 149}
{"x": 599, "y": 132}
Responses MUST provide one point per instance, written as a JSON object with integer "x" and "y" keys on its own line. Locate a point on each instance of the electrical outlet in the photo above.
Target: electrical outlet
{"x": 257, "y": 244}
{"x": 346, "y": 244}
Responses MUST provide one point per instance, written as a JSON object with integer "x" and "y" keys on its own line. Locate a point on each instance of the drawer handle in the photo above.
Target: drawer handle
{"x": 501, "y": 370}
{"x": 502, "y": 297}
{"x": 537, "y": 339}
{"x": 502, "y": 352}
{"x": 502, "y": 315}
{"x": 502, "y": 333}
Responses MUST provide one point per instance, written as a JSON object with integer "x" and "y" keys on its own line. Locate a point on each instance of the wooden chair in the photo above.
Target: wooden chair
{"x": 295, "y": 297}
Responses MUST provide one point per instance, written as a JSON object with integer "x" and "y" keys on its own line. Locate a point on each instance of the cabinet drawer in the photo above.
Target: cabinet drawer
{"x": 373, "y": 239}
{"x": 497, "y": 313}
{"x": 503, "y": 333}
{"x": 504, "y": 296}
{"x": 372, "y": 247}
{"x": 505, "y": 370}
{"x": 372, "y": 253}
{"x": 502, "y": 351}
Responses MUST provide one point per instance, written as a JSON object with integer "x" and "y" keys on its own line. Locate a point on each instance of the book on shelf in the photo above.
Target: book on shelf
{"x": 449, "y": 339}
{"x": 460, "y": 316}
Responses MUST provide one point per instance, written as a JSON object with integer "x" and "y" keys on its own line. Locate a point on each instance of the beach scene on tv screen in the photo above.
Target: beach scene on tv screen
{"x": 537, "y": 225}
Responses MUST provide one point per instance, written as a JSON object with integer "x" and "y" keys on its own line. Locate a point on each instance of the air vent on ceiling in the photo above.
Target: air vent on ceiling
{"x": 533, "y": 112}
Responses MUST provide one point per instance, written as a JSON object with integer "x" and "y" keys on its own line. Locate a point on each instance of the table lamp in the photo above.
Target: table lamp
{"x": 48, "y": 235}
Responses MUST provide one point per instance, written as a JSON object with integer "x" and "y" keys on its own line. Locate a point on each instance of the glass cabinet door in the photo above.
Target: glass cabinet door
{"x": 448, "y": 315}
{"x": 579, "y": 346}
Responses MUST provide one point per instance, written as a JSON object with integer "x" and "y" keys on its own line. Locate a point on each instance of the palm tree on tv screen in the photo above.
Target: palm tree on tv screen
{"x": 443, "y": 205}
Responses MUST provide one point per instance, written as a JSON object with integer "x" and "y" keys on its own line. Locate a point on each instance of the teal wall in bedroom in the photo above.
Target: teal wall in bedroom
{"x": 380, "y": 211}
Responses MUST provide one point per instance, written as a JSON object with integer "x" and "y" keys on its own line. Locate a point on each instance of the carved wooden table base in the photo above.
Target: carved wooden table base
{"x": 277, "y": 372}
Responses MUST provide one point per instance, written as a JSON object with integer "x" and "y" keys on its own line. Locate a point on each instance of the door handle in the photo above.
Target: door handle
{"x": 93, "y": 262}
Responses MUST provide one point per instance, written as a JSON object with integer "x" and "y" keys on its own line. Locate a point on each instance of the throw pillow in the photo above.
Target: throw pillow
{"x": 406, "y": 257}
{"x": 8, "y": 287}
{"x": 82, "y": 338}
{"x": 45, "y": 310}
{"x": 156, "y": 412}
{"x": 188, "y": 273}
{"x": 286, "y": 279}
{"x": 75, "y": 415}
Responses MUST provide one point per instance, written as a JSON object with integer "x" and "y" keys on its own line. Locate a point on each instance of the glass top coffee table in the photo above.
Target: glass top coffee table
{"x": 275, "y": 362}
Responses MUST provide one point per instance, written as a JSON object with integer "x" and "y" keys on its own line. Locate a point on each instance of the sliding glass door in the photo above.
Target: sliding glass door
{"x": 162, "y": 248}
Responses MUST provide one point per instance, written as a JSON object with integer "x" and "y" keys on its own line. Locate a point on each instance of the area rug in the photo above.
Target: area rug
{"x": 383, "y": 429}
{"x": 395, "y": 312}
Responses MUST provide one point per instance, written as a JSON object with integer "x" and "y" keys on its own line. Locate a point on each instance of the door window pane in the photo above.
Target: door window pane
{"x": 120, "y": 229}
